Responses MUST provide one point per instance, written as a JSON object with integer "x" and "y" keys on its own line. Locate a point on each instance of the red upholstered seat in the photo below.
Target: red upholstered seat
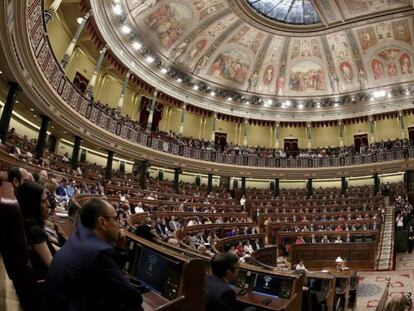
{"x": 13, "y": 247}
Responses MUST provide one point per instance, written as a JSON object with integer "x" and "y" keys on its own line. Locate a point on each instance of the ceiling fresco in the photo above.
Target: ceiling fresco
{"x": 209, "y": 41}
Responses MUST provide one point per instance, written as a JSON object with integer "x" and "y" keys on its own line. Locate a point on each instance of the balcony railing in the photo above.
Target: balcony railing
{"x": 69, "y": 93}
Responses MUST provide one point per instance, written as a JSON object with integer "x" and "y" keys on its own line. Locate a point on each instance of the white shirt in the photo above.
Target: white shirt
{"x": 242, "y": 201}
{"x": 301, "y": 267}
{"x": 139, "y": 209}
{"x": 248, "y": 249}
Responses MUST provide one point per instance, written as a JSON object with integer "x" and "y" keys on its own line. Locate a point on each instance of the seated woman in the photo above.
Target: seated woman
{"x": 34, "y": 205}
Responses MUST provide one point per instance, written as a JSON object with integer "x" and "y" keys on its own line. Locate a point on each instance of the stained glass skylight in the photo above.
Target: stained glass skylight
{"x": 297, "y": 12}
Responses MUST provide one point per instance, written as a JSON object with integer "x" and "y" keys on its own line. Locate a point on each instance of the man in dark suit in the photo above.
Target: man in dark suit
{"x": 218, "y": 294}
{"x": 83, "y": 274}
{"x": 145, "y": 231}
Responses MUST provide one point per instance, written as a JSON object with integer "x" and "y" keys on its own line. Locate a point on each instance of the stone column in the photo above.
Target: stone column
{"x": 246, "y": 124}
{"x": 276, "y": 190}
{"x": 182, "y": 118}
{"x": 8, "y": 110}
{"x": 51, "y": 11}
{"x": 92, "y": 81}
{"x": 109, "y": 160}
{"x": 371, "y": 125}
{"x": 344, "y": 184}
{"x": 341, "y": 133}
{"x": 41, "y": 139}
{"x": 200, "y": 130}
{"x": 177, "y": 172}
{"x": 210, "y": 183}
{"x": 243, "y": 185}
{"x": 377, "y": 183}
{"x": 309, "y": 187}
{"x": 124, "y": 87}
{"x": 401, "y": 124}
{"x": 142, "y": 167}
{"x": 309, "y": 134}
{"x": 213, "y": 132}
{"x": 277, "y": 135}
{"x": 75, "y": 152}
{"x": 69, "y": 51}
{"x": 151, "y": 113}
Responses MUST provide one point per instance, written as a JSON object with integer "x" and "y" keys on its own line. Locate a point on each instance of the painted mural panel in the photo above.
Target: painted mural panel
{"x": 191, "y": 49}
{"x": 354, "y": 8}
{"x": 169, "y": 21}
{"x": 391, "y": 63}
{"x": 232, "y": 65}
{"x": 305, "y": 48}
{"x": 307, "y": 76}
{"x": 384, "y": 33}
{"x": 268, "y": 72}
{"x": 346, "y": 67}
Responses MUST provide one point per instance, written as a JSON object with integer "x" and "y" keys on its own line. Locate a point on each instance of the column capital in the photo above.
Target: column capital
{"x": 104, "y": 49}
{"x": 308, "y": 124}
{"x": 340, "y": 122}
{"x": 184, "y": 105}
{"x": 45, "y": 117}
{"x": 277, "y": 124}
{"x": 14, "y": 85}
{"x": 155, "y": 94}
{"x": 246, "y": 121}
{"x": 88, "y": 14}
{"x": 77, "y": 137}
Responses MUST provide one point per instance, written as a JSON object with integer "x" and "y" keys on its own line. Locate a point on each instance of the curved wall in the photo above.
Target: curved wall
{"x": 35, "y": 67}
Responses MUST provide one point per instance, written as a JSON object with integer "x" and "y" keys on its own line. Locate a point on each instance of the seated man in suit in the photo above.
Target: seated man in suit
{"x": 84, "y": 274}
{"x": 218, "y": 294}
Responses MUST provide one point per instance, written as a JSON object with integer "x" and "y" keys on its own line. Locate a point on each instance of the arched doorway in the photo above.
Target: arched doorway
{"x": 291, "y": 147}
{"x": 360, "y": 142}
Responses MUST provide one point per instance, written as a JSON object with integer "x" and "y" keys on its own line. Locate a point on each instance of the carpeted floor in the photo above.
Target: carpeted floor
{"x": 372, "y": 284}
{"x": 8, "y": 298}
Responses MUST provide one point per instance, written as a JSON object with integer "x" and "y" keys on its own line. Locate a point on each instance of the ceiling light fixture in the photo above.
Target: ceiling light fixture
{"x": 117, "y": 9}
{"x": 79, "y": 20}
{"x": 31, "y": 109}
{"x": 179, "y": 80}
{"x": 300, "y": 106}
{"x": 247, "y": 102}
{"x": 125, "y": 29}
{"x": 150, "y": 59}
{"x": 136, "y": 45}
{"x": 164, "y": 70}
{"x": 336, "y": 105}
{"x": 407, "y": 92}
{"x": 195, "y": 87}
{"x": 212, "y": 93}
{"x": 229, "y": 99}
{"x": 389, "y": 95}
{"x": 288, "y": 103}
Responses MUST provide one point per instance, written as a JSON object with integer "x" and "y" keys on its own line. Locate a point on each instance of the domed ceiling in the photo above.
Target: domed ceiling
{"x": 269, "y": 48}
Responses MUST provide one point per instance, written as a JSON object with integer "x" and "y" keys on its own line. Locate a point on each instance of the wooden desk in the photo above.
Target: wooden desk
{"x": 319, "y": 256}
{"x": 256, "y": 299}
{"x": 152, "y": 300}
{"x": 349, "y": 281}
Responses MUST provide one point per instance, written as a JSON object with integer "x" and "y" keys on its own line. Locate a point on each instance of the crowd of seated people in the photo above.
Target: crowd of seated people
{"x": 45, "y": 237}
{"x": 234, "y": 149}
{"x": 331, "y": 227}
{"x": 313, "y": 239}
